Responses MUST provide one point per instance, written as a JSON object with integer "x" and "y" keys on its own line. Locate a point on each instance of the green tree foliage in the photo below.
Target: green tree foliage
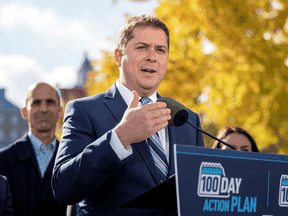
{"x": 244, "y": 82}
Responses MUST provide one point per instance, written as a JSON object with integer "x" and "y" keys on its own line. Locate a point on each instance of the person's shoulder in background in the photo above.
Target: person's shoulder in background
{"x": 5, "y": 197}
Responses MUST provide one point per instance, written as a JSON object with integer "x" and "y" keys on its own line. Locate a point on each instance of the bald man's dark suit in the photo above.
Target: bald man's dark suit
{"x": 31, "y": 194}
{"x": 86, "y": 166}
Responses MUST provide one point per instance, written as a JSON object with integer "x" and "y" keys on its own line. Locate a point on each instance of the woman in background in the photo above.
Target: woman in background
{"x": 240, "y": 139}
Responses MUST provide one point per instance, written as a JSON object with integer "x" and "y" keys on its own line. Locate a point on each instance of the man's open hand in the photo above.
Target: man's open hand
{"x": 139, "y": 123}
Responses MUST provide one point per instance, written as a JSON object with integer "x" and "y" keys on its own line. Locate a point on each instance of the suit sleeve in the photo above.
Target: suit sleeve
{"x": 5, "y": 197}
{"x": 83, "y": 160}
{"x": 8, "y": 207}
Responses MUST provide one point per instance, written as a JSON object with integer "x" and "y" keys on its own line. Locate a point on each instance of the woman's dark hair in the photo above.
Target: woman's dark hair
{"x": 229, "y": 130}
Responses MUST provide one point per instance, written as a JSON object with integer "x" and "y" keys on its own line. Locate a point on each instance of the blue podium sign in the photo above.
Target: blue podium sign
{"x": 221, "y": 182}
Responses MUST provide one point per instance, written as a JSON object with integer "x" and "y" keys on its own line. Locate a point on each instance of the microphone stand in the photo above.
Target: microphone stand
{"x": 179, "y": 114}
{"x": 210, "y": 135}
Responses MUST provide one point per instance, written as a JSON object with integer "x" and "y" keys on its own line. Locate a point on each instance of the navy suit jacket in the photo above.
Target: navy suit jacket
{"x": 87, "y": 168}
{"x": 31, "y": 194}
{"x": 5, "y": 197}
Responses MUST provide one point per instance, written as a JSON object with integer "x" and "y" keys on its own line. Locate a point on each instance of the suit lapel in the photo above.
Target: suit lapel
{"x": 26, "y": 151}
{"x": 172, "y": 141}
{"x": 177, "y": 135}
{"x": 115, "y": 103}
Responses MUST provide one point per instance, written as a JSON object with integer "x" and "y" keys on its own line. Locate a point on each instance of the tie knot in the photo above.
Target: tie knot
{"x": 145, "y": 100}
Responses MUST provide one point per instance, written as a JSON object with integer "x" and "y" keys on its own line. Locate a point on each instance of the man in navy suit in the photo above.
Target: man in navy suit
{"x": 28, "y": 162}
{"x": 5, "y": 197}
{"x": 104, "y": 159}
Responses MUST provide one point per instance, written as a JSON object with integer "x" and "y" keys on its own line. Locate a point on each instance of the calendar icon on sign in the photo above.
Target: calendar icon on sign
{"x": 283, "y": 191}
{"x": 209, "y": 181}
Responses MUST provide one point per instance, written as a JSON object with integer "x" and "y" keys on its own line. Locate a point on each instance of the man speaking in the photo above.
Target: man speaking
{"x": 117, "y": 144}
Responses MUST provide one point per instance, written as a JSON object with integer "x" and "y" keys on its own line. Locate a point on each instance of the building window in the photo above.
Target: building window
{"x": 14, "y": 119}
{"x": 1, "y": 118}
{"x": 13, "y": 134}
{"x": 1, "y": 135}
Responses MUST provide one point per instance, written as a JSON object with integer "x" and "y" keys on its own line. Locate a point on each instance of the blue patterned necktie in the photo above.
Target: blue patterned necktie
{"x": 157, "y": 150}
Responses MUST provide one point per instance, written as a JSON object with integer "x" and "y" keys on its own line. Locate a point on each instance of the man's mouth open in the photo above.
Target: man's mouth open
{"x": 148, "y": 70}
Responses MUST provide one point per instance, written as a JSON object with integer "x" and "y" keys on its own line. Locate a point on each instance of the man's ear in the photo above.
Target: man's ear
{"x": 24, "y": 113}
{"x": 118, "y": 56}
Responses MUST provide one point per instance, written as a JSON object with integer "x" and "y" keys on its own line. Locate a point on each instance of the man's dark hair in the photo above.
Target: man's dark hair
{"x": 125, "y": 33}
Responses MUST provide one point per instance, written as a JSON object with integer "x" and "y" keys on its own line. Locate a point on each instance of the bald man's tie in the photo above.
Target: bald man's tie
{"x": 157, "y": 150}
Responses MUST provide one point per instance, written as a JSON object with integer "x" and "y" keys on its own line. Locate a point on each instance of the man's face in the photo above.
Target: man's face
{"x": 143, "y": 62}
{"x": 42, "y": 110}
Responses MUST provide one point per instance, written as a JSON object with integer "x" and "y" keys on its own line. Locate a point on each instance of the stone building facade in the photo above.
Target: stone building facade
{"x": 12, "y": 125}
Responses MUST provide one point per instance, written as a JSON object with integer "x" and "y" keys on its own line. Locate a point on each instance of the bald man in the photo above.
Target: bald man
{"x": 28, "y": 162}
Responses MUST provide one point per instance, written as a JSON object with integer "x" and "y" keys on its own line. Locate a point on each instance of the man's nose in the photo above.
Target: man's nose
{"x": 151, "y": 56}
{"x": 43, "y": 107}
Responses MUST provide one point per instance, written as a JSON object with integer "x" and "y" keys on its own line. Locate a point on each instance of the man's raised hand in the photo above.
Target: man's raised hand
{"x": 139, "y": 123}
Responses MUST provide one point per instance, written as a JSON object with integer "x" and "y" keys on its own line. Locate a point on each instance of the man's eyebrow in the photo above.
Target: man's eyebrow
{"x": 141, "y": 43}
{"x": 146, "y": 44}
{"x": 162, "y": 46}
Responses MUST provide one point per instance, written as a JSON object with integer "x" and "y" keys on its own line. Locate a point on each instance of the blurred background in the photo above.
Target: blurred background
{"x": 228, "y": 60}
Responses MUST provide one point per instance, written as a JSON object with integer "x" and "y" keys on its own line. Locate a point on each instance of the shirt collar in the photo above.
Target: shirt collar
{"x": 38, "y": 143}
{"x": 128, "y": 95}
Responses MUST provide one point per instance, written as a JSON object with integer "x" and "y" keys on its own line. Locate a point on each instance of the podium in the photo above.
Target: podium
{"x": 221, "y": 182}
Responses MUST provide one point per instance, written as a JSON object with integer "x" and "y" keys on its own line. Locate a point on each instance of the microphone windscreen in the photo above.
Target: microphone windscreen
{"x": 179, "y": 113}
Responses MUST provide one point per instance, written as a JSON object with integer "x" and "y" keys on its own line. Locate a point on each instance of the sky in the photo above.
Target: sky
{"x": 45, "y": 41}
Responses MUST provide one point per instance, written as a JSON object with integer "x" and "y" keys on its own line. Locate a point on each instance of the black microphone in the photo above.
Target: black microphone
{"x": 179, "y": 116}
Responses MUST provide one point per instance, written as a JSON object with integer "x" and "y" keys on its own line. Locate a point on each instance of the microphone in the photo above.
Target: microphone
{"x": 179, "y": 116}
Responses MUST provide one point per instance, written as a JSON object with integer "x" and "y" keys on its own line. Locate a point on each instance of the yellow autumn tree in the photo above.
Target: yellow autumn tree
{"x": 244, "y": 82}
{"x": 100, "y": 80}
